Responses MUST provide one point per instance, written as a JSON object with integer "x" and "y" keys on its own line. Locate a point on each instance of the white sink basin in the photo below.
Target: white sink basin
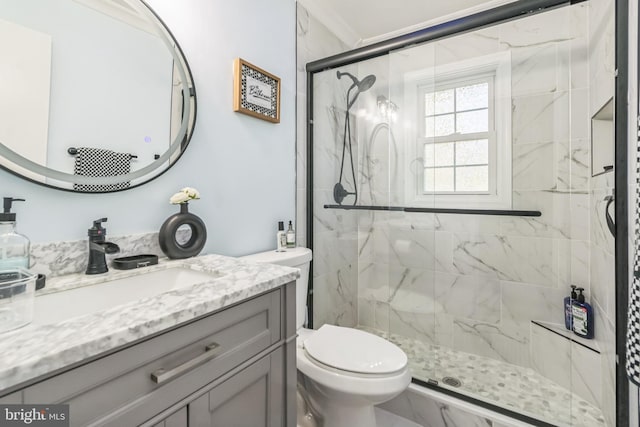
{"x": 59, "y": 306}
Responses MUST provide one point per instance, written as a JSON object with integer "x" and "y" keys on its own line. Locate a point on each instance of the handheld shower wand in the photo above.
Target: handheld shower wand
{"x": 339, "y": 192}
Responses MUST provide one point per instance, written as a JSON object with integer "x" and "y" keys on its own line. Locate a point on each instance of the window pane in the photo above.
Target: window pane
{"x": 473, "y": 121}
{"x": 472, "y": 97}
{"x": 472, "y": 152}
{"x": 440, "y": 154}
{"x": 429, "y": 127}
{"x": 444, "y": 125}
{"x": 438, "y": 179}
{"x": 444, "y": 101}
{"x": 472, "y": 178}
{"x": 429, "y": 101}
{"x": 429, "y": 155}
{"x": 428, "y": 180}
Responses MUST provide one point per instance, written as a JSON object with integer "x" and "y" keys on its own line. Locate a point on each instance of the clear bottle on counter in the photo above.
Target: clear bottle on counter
{"x": 281, "y": 238}
{"x": 17, "y": 283}
{"x": 14, "y": 247}
{"x": 291, "y": 236}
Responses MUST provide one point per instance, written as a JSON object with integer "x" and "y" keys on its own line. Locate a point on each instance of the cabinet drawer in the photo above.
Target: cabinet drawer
{"x": 119, "y": 380}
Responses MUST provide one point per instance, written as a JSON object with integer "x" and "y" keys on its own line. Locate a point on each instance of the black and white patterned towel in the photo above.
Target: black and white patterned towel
{"x": 633, "y": 322}
{"x": 100, "y": 162}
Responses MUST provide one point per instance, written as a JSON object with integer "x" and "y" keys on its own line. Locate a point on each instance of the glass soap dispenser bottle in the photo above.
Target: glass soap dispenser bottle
{"x": 291, "y": 236}
{"x": 281, "y": 238}
{"x": 14, "y": 247}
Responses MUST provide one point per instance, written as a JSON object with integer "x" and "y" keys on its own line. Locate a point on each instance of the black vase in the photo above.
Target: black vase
{"x": 182, "y": 235}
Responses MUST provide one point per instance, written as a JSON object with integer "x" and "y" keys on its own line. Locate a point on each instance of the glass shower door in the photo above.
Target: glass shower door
{"x": 410, "y": 237}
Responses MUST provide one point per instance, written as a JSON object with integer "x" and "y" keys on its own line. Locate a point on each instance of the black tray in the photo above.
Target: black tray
{"x": 135, "y": 261}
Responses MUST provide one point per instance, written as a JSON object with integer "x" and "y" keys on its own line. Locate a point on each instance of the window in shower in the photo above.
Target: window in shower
{"x": 462, "y": 141}
{"x": 456, "y": 137}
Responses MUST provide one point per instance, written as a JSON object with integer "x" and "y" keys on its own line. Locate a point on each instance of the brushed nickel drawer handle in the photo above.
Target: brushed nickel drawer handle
{"x": 161, "y": 375}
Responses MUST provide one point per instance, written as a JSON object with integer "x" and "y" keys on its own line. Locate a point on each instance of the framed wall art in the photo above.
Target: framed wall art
{"x": 256, "y": 92}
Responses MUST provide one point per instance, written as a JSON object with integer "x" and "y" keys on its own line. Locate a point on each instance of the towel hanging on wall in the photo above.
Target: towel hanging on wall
{"x": 633, "y": 322}
{"x": 100, "y": 162}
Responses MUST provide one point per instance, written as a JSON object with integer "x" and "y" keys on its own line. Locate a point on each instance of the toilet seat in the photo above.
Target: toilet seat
{"x": 350, "y": 383}
{"x": 335, "y": 347}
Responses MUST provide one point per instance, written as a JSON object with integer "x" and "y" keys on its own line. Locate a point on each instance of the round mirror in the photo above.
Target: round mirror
{"x": 95, "y": 95}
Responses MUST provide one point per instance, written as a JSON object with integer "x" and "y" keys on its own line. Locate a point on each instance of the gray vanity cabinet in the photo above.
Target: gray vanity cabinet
{"x": 253, "y": 397}
{"x": 235, "y": 367}
{"x": 177, "y": 419}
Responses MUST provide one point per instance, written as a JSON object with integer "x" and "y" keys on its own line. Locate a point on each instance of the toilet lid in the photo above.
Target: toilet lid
{"x": 353, "y": 350}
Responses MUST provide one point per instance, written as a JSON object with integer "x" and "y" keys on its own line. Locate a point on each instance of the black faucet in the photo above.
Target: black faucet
{"x": 98, "y": 248}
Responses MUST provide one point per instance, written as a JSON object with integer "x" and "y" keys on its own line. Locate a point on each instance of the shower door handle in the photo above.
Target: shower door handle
{"x": 610, "y": 223}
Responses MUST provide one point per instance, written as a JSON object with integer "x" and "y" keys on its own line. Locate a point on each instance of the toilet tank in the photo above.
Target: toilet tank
{"x": 295, "y": 257}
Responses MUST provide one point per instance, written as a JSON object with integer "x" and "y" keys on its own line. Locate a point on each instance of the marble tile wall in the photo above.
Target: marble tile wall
{"x": 314, "y": 41}
{"x": 475, "y": 282}
{"x": 335, "y": 232}
{"x": 573, "y": 363}
{"x": 67, "y": 257}
{"x": 433, "y": 412}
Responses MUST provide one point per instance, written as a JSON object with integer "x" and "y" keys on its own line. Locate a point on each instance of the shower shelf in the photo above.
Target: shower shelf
{"x": 503, "y": 212}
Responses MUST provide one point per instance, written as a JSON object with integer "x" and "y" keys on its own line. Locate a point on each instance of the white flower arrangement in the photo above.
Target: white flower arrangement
{"x": 184, "y": 196}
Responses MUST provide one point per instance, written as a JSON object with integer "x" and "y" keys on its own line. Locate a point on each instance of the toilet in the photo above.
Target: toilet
{"x": 346, "y": 371}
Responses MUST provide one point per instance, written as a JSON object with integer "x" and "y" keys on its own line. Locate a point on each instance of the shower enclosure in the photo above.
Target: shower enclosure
{"x": 452, "y": 204}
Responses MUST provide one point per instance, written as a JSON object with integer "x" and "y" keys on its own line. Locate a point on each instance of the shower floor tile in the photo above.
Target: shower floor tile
{"x": 512, "y": 387}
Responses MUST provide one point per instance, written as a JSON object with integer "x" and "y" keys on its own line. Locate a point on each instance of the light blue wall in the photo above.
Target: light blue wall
{"x": 243, "y": 167}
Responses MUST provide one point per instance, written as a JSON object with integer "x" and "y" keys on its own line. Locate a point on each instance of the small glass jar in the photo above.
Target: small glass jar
{"x": 17, "y": 292}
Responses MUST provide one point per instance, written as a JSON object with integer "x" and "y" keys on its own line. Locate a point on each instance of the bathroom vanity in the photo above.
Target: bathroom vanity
{"x": 215, "y": 353}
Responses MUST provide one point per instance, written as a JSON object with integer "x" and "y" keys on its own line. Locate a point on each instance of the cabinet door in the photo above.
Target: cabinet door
{"x": 11, "y": 398}
{"x": 251, "y": 398}
{"x": 177, "y": 419}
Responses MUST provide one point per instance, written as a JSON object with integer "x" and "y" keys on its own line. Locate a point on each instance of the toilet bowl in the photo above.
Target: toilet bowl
{"x": 349, "y": 371}
{"x": 346, "y": 371}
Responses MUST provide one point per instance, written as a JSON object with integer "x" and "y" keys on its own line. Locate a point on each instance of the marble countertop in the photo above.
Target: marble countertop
{"x": 36, "y": 350}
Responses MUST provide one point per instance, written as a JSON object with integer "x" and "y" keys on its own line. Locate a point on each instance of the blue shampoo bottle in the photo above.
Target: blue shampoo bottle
{"x": 582, "y": 317}
{"x": 568, "y": 302}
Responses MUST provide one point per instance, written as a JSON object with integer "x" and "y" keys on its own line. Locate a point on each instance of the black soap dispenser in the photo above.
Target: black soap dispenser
{"x": 582, "y": 316}
{"x": 14, "y": 247}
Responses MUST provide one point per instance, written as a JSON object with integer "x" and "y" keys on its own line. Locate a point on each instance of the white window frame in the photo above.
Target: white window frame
{"x": 416, "y": 84}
